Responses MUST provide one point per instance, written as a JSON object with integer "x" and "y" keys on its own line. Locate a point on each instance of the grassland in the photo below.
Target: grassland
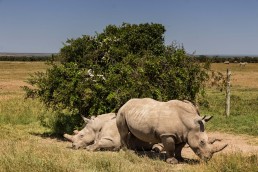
{"x": 244, "y": 101}
{"x": 24, "y": 145}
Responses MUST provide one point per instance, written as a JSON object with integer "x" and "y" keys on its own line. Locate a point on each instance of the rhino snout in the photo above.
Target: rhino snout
{"x": 204, "y": 155}
{"x": 75, "y": 146}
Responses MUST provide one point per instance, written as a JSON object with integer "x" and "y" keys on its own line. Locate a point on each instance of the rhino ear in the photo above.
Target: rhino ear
{"x": 75, "y": 131}
{"x": 86, "y": 120}
{"x": 206, "y": 119}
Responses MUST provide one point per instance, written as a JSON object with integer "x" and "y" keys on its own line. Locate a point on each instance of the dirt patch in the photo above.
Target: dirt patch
{"x": 236, "y": 143}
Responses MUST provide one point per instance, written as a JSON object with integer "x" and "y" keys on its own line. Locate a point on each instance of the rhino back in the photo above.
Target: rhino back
{"x": 148, "y": 119}
{"x": 97, "y": 123}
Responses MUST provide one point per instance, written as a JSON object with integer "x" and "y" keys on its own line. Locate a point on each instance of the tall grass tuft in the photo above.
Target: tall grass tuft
{"x": 19, "y": 111}
{"x": 231, "y": 163}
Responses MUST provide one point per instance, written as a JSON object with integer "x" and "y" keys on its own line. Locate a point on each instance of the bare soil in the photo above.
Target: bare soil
{"x": 236, "y": 143}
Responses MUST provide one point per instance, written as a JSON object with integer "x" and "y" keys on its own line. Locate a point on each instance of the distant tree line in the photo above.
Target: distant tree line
{"x": 199, "y": 58}
{"x": 25, "y": 58}
{"x": 231, "y": 59}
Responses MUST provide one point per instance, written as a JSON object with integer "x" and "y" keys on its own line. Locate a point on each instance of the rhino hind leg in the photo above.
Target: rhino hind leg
{"x": 123, "y": 130}
{"x": 169, "y": 146}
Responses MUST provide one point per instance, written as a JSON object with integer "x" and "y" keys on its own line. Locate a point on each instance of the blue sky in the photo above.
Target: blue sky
{"x": 202, "y": 26}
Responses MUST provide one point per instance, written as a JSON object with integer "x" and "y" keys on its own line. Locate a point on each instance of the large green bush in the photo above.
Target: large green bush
{"x": 98, "y": 74}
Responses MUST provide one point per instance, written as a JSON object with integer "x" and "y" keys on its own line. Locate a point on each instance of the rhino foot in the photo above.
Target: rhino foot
{"x": 172, "y": 160}
{"x": 91, "y": 148}
{"x": 180, "y": 159}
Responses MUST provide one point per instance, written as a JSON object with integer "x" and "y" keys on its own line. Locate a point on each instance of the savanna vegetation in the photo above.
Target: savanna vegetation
{"x": 98, "y": 74}
{"x": 229, "y": 58}
{"x": 25, "y": 58}
{"x": 28, "y": 146}
{"x": 85, "y": 80}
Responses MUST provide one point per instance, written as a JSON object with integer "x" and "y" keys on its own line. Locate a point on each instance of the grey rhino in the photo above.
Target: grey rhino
{"x": 101, "y": 133}
{"x": 109, "y": 139}
{"x": 90, "y": 132}
{"x": 173, "y": 123}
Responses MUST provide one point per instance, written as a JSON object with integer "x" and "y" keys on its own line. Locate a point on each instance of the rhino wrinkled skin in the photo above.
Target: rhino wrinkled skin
{"x": 89, "y": 134}
{"x": 173, "y": 123}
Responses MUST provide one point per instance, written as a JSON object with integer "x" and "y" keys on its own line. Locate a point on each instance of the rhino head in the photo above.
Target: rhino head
{"x": 86, "y": 136}
{"x": 199, "y": 141}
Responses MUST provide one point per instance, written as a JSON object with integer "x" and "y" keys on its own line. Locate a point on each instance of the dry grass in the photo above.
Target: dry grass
{"x": 14, "y": 74}
{"x": 246, "y": 77}
{"x": 26, "y": 146}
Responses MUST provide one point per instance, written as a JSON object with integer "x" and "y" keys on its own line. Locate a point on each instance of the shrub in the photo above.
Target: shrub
{"x": 98, "y": 74}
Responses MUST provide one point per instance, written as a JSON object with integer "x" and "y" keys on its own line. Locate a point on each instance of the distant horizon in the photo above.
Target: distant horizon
{"x": 211, "y": 55}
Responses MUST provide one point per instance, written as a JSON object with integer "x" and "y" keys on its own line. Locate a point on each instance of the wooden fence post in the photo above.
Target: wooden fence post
{"x": 228, "y": 93}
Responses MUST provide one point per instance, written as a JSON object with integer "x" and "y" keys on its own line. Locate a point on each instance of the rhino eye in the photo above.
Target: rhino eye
{"x": 202, "y": 143}
{"x": 81, "y": 136}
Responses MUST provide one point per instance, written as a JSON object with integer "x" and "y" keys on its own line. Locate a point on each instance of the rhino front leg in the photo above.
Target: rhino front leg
{"x": 178, "y": 151}
{"x": 103, "y": 144}
{"x": 169, "y": 146}
{"x": 93, "y": 147}
{"x": 158, "y": 147}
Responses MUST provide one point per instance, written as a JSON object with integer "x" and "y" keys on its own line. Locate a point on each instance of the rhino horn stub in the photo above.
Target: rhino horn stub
{"x": 219, "y": 148}
{"x": 68, "y": 137}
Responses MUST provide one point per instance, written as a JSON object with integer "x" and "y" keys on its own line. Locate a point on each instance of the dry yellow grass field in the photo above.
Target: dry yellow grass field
{"x": 14, "y": 74}
{"x": 246, "y": 76}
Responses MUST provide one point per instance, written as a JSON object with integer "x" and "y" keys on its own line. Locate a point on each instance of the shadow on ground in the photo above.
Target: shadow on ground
{"x": 149, "y": 154}
{"x": 49, "y": 135}
{"x": 162, "y": 156}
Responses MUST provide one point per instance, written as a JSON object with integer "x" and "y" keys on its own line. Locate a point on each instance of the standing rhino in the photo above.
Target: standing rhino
{"x": 173, "y": 123}
{"x": 101, "y": 133}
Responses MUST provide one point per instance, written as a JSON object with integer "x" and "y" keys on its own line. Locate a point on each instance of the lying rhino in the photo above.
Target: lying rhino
{"x": 173, "y": 123}
{"x": 90, "y": 132}
{"x": 101, "y": 133}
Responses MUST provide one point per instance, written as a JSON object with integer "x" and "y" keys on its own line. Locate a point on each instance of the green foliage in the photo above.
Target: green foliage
{"x": 98, "y": 74}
